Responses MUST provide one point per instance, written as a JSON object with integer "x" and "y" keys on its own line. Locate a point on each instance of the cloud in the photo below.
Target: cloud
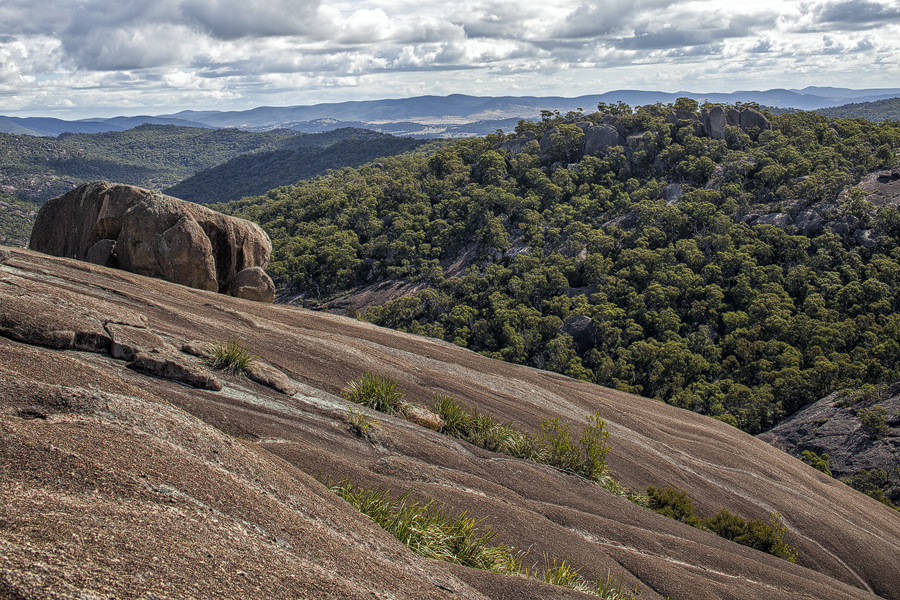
{"x": 854, "y": 14}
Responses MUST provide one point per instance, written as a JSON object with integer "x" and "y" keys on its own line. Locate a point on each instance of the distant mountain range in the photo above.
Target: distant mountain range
{"x": 435, "y": 116}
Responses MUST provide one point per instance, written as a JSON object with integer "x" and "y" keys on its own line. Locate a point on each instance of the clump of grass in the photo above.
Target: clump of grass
{"x": 767, "y": 537}
{"x": 377, "y": 392}
{"x": 434, "y": 532}
{"x": 553, "y": 445}
{"x": 233, "y": 356}
{"x": 360, "y": 423}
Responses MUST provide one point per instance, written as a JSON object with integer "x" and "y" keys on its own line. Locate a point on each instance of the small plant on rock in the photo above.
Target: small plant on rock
{"x": 377, "y": 392}
{"x": 233, "y": 356}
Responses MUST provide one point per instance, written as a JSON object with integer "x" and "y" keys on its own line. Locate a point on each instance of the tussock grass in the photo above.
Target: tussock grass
{"x": 434, "y": 532}
{"x": 233, "y": 356}
{"x": 554, "y": 445}
{"x": 377, "y": 392}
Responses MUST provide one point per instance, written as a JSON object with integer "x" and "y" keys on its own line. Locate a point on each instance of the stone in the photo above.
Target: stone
{"x": 809, "y": 223}
{"x": 781, "y": 220}
{"x": 673, "y": 193}
{"x": 864, "y": 237}
{"x": 733, "y": 117}
{"x": 129, "y": 341}
{"x": 751, "y": 119}
{"x": 636, "y": 139}
{"x": 583, "y": 331}
{"x": 103, "y": 253}
{"x": 252, "y": 284}
{"x": 269, "y": 376}
{"x": 714, "y": 122}
{"x": 599, "y": 139}
{"x": 686, "y": 115}
{"x": 169, "y": 365}
{"x": 424, "y": 417}
{"x": 151, "y": 234}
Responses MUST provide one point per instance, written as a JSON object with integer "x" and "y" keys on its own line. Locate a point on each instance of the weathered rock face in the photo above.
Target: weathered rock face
{"x": 751, "y": 119}
{"x": 598, "y": 140}
{"x": 714, "y": 122}
{"x": 833, "y": 426}
{"x": 119, "y": 481}
{"x": 130, "y": 228}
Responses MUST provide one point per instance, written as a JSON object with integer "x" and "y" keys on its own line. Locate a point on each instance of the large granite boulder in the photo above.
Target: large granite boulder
{"x": 714, "y": 121}
{"x": 145, "y": 232}
{"x": 751, "y": 119}
{"x": 599, "y": 139}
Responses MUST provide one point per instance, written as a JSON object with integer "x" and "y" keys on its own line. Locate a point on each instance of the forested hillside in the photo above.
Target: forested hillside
{"x": 302, "y": 157}
{"x": 16, "y": 217}
{"x": 740, "y": 277}
{"x": 35, "y": 169}
{"x": 880, "y": 110}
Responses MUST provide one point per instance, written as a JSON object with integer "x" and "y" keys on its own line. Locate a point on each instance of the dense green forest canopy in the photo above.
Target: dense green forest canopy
{"x": 880, "y": 110}
{"x": 641, "y": 268}
{"x": 16, "y": 217}
{"x": 255, "y": 173}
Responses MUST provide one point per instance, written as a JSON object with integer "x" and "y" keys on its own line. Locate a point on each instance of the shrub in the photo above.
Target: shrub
{"x": 360, "y": 423}
{"x": 232, "y": 356}
{"x": 673, "y": 503}
{"x": 873, "y": 483}
{"x": 817, "y": 462}
{"x": 767, "y": 537}
{"x": 873, "y": 420}
{"x": 377, "y": 392}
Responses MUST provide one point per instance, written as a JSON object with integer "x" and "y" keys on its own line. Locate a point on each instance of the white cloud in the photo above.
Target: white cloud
{"x": 236, "y": 54}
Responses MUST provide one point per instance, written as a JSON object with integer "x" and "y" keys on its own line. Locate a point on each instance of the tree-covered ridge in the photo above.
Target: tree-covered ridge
{"x": 880, "y": 110}
{"x": 636, "y": 268}
{"x": 255, "y": 173}
{"x": 160, "y": 156}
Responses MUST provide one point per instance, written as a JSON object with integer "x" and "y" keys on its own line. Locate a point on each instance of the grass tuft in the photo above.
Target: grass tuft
{"x": 233, "y": 356}
{"x": 433, "y": 531}
{"x": 377, "y": 392}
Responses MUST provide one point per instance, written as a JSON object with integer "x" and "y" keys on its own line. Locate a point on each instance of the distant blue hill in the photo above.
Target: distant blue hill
{"x": 422, "y": 116}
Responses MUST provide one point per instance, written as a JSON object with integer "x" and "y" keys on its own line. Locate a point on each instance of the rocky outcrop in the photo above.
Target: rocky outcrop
{"x": 833, "y": 426}
{"x": 145, "y": 232}
{"x": 583, "y": 332}
{"x": 751, "y": 119}
{"x": 714, "y": 122}
{"x": 599, "y": 139}
{"x": 781, "y": 220}
{"x": 121, "y": 482}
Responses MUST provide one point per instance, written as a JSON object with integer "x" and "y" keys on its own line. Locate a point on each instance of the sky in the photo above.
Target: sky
{"x": 80, "y": 58}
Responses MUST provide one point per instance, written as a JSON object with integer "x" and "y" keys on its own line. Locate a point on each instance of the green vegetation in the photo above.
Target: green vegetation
{"x": 377, "y": 392}
{"x": 873, "y": 483}
{"x": 233, "y": 356}
{"x": 874, "y": 421}
{"x": 433, "y": 532}
{"x": 161, "y": 156}
{"x": 877, "y": 111}
{"x": 257, "y": 172}
{"x": 360, "y": 423}
{"x": 766, "y": 537}
{"x": 686, "y": 301}
{"x": 817, "y": 462}
{"x": 553, "y": 445}
{"x": 16, "y": 218}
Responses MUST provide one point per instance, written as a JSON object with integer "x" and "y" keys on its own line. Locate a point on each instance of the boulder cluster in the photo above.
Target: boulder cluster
{"x": 612, "y": 132}
{"x": 147, "y": 233}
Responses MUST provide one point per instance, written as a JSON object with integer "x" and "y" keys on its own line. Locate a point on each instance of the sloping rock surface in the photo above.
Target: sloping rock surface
{"x": 119, "y": 484}
{"x": 833, "y": 426}
{"x": 145, "y": 232}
